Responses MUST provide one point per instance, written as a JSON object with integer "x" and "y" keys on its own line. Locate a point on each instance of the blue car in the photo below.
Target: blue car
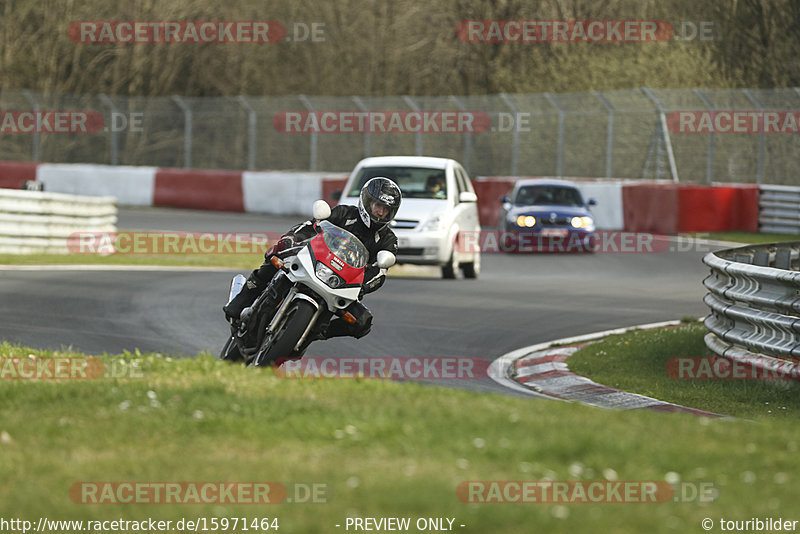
{"x": 544, "y": 215}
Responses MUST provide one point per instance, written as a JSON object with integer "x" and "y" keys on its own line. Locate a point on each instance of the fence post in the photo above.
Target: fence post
{"x": 609, "y": 132}
{"x": 515, "y": 134}
{"x": 367, "y": 132}
{"x": 467, "y": 137}
{"x": 37, "y": 140}
{"x": 251, "y": 131}
{"x": 114, "y": 141}
{"x": 662, "y": 118}
{"x": 187, "y": 131}
{"x": 761, "y": 140}
{"x": 560, "y": 160}
{"x": 711, "y": 139}
{"x": 314, "y": 135}
{"x": 413, "y": 105}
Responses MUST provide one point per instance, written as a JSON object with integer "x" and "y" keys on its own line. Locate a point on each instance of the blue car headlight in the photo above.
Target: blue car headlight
{"x": 583, "y": 223}
{"x": 526, "y": 221}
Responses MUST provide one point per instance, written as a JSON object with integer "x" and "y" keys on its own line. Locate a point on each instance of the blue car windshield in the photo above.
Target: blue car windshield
{"x": 344, "y": 245}
{"x": 553, "y": 195}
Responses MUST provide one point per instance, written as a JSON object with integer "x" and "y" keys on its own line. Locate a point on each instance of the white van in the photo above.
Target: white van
{"x": 430, "y": 218}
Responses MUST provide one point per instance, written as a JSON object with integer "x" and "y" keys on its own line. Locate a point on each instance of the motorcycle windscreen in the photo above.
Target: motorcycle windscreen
{"x": 344, "y": 245}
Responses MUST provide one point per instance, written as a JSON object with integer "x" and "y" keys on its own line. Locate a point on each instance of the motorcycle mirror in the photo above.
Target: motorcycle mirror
{"x": 386, "y": 259}
{"x": 321, "y": 210}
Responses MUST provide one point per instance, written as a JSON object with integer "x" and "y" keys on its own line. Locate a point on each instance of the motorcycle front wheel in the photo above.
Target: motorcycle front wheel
{"x": 230, "y": 351}
{"x": 282, "y": 342}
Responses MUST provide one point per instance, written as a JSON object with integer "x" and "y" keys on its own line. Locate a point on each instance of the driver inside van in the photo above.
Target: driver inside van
{"x": 435, "y": 186}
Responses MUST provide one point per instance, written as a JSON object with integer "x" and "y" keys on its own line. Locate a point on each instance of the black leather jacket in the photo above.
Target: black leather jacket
{"x": 347, "y": 217}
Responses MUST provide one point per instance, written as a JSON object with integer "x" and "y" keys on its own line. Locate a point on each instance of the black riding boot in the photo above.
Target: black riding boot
{"x": 256, "y": 282}
{"x": 248, "y": 294}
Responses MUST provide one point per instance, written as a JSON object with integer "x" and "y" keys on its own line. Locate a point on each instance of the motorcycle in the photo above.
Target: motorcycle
{"x": 316, "y": 281}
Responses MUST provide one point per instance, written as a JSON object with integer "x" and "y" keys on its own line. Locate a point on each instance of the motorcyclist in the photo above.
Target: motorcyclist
{"x": 377, "y": 205}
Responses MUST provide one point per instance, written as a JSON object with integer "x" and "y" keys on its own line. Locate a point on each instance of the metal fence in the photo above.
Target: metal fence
{"x": 621, "y": 134}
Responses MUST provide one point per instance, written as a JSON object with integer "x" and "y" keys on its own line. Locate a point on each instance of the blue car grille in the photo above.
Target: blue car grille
{"x": 555, "y": 221}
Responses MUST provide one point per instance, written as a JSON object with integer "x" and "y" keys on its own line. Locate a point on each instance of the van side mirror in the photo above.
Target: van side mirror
{"x": 592, "y": 202}
{"x": 505, "y": 199}
{"x": 320, "y": 210}
{"x": 467, "y": 196}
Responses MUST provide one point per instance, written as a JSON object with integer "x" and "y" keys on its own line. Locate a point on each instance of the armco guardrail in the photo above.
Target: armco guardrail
{"x": 779, "y": 209}
{"x": 754, "y": 297}
{"x": 32, "y": 221}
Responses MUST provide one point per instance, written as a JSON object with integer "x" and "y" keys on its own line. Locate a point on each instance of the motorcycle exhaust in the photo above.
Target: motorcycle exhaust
{"x": 236, "y": 286}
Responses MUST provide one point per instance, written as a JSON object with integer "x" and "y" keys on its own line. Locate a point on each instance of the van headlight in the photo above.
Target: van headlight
{"x": 330, "y": 278}
{"x": 433, "y": 224}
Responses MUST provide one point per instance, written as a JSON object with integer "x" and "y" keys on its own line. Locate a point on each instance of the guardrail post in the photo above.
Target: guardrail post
{"x": 662, "y": 118}
{"x": 609, "y": 131}
{"x": 251, "y": 131}
{"x": 187, "y": 131}
{"x": 37, "y": 136}
{"x": 113, "y": 138}
{"x": 711, "y": 139}
{"x": 413, "y": 105}
{"x": 467, "y": 137}
{"x": 515, "y": 134}
{"x": 312, "y": 165}
{"x": 560, "y": 160}
{"x": 761, "y": 140}
{"x": 367, "y": 134}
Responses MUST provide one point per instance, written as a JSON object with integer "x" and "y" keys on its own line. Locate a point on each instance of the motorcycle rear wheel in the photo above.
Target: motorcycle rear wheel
{"x": 282, "y": 342}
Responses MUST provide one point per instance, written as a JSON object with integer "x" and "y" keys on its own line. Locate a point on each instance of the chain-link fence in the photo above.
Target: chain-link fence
{"x": 703, "y": 136}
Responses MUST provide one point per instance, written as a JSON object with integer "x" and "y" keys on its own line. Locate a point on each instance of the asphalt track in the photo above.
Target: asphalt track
{"x": 518, "y": 300}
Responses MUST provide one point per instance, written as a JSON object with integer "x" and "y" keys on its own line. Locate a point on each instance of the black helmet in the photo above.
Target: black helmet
{"x": 383, "y": 191}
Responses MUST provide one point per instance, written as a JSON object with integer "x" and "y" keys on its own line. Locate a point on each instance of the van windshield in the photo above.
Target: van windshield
{"x": 414, "y": 182}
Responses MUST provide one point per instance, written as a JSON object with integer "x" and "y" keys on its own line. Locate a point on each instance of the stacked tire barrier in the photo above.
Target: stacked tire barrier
{"x": 754, "y": 298}
{"x": 33, "y": 221}
{"x": 779, "y": 209}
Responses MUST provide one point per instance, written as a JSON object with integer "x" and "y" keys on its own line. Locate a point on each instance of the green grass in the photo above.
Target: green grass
{"x": 244, "y": 261}
{"x": 637, "y": 362}
{"x": 384, "y": 449}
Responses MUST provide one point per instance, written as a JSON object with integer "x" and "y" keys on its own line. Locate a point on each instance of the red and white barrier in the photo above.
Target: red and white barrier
{"x": 633, "y": 206}
{"x": 132, "y": 186}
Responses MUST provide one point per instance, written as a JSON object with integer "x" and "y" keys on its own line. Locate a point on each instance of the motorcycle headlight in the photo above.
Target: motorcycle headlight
{"x": 330, "y": 278}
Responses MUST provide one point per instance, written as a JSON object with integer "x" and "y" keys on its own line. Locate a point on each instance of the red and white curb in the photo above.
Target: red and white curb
{"x": 541, "y": 370}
